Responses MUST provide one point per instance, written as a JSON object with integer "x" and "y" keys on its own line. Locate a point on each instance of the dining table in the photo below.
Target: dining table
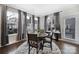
{"x": 40, "y": 37}
{"x": 56, "y": 33}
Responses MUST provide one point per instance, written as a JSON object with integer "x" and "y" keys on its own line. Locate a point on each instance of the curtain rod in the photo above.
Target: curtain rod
{"x": 53, "y": 13}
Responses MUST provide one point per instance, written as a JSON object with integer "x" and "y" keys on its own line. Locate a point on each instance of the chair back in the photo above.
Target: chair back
{"x": 32, "y": 40}
{"x": 32, "y": 37}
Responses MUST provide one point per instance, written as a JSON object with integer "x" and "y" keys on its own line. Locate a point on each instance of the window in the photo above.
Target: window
{"x": 49, "y": 22}
{"x": 36, "y": 24}
{"x": 29, "y": 23}
{"x": 12, "y": 20}
{"x": 70, "y": 28}
{"x": 12, "y": 24}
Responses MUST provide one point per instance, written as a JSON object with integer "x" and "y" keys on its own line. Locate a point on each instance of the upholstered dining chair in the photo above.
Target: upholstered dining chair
{"x": 48, "y": 39}
{"x": 33, "y": 42}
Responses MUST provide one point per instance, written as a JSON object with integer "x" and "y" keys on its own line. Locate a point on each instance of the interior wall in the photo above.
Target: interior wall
{"x": 70, "y": 12}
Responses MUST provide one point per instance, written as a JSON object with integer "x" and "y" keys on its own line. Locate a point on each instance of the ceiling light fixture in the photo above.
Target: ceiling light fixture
{"x": 28, "y": 17}
{"x": 36, "y": 18}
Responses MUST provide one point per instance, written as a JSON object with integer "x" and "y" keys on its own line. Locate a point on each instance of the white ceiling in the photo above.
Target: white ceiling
{"x": 41, "y": 9}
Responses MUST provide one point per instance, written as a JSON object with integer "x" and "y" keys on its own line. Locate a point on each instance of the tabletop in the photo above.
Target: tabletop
{"x": 40, "y": 34}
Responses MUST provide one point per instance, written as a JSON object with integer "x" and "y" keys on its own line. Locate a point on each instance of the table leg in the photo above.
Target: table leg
{"x": 57, "y": 37}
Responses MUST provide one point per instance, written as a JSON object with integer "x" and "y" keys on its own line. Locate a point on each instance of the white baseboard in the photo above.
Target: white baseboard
{"x": 70, "y": 41}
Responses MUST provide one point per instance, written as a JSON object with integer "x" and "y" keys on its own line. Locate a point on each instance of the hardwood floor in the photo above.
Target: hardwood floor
{"x": 10, "y": 48}
{"x": 66, "y": 48}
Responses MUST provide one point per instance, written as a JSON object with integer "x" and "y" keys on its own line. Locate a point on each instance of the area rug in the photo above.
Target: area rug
{"x": 23, "y": 49}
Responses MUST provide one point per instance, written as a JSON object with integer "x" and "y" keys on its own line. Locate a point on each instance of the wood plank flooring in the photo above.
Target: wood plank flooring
{"x": 10, "y": 48}
{"x": 66, "y": 48}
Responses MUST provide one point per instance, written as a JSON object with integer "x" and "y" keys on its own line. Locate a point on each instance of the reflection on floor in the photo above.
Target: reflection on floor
{"x": 10, "y": 48}
{"x": 66, "y": 48}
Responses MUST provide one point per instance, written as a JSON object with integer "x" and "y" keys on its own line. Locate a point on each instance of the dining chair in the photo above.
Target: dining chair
{"x": 48, "y": 39}
{"x": 33, "y": 42}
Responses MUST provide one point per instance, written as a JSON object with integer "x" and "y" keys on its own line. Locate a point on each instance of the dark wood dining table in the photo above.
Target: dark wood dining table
{"x": 56, "y": 33}
{"x": 41, "y": 37}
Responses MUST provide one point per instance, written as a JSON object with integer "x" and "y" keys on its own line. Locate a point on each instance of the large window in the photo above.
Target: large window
{"x": 49, "y": 22}
{"x": 70, "y": 28}
{"x": 36, "y": 24}
{"x": 12, "y": 24}
{"x": 12, "y": 20}
{"x": 29, "y": 23}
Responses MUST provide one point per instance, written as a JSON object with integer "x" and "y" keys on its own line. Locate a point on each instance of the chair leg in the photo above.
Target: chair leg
{"x": 42, "y": 45}
{"x": 37, "y": 50}
{"x": 29, "y": 50}
{"x": 51, "y": 45}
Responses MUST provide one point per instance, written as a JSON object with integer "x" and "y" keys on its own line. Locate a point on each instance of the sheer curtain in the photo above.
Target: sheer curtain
{"x": 4, "y": 30}
{"x": 57, "y": 22}
{"x": 0, "y": 24}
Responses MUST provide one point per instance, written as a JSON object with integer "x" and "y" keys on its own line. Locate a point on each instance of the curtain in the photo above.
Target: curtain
{"x": 4, "y": 28}
{"x": 19, "y": 26}
{"x": 25, "y": 26}
{"x": 57, "y": 22}
{"x": 38, "y": 23}
{"x": 45, "y": 23}
{"x": 33, "y": 23}
{"x": 22, "y": 21}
